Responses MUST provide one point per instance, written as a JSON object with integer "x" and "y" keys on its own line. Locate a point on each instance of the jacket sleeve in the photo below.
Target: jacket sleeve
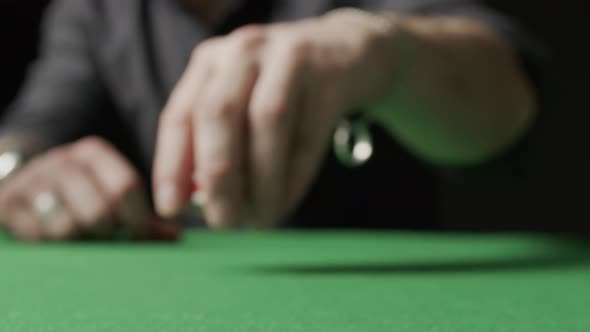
{"x": 62, "y": 95}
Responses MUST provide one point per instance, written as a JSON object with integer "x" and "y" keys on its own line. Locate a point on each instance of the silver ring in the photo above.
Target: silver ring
{"x": 353, "y": 144}
{"x": 46, "y": 204}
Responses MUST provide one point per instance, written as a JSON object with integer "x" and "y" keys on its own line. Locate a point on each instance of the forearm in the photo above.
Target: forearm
{"x": 26, "y": 144}
{"x": 15, "y": 151}
{"x": 459, "y": 96}
{"x": 63, "y": 96}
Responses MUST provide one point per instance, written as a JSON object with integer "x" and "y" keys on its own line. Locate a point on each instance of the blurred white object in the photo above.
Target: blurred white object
{"x": 9, "y": 163}
{"x": 46, "y": 205}
{"x": 353, "y": 143}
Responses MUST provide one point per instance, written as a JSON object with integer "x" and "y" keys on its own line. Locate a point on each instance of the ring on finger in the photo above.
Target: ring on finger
{"x": 46, "y": 205}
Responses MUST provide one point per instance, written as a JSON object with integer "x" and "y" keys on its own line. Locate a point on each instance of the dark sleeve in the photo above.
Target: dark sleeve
{"x": 62, "y": 94}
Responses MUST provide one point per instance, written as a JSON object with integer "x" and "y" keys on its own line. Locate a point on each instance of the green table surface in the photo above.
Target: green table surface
{"x": 299, "y": 281}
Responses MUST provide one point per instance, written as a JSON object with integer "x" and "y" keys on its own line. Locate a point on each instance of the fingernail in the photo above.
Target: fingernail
{"x": 166, "y": 200}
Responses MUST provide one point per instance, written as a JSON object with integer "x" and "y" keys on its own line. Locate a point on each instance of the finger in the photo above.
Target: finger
{"x": 24, "y": 226}
{"x": 82, "y": 197}
{"x": 272, "y": 111}
{"x": 3, "y": 218}
{"x": 115, "y": 178}
{"x": 45, "y": 178}
{"x": 59, "y": 226}
{"x": 221, "y": 141}
{"x": 134, "y": 212}
{"x": 173, "y": 163}
{"x": 219, "y": 155}
{"x": 220, "y": 118}
{"x": 5, "y": 207}
{"x": 161, "y": 231}
{"x": 18, "y": 195}
{"x": 31, "y": 176}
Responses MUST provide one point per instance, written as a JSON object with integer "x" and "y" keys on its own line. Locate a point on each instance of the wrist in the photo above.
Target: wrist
{"x": 401, "y": 61}
{"x": 15, "y": 152}
{"x": 389, "y": 46}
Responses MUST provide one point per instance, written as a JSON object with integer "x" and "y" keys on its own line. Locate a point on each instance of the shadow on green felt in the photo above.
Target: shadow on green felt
{"x": 560, "y": 253}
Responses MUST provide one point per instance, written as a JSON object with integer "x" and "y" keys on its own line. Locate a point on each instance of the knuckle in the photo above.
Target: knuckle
{"x": 293, "y": 46}
{"x": 372, "y": 41}
{"x": 271, "y": 114}
{"x": 197, "y": 52}
{"x": 91, "y": 143}
{"x": 66, "y": 170}
{"x": 93, "y": 216}
{"x": 222, "y": 109}
{"x": 248, "y": 37}
{"x": 371, "y": 38}
{"x": 128, "y": 183}
{"x": 94, "y": 211}
{"x": 204, "y": 49}
{"x": 58, "y": 155}
{"x": 298, "y": 46}
{"x": 172, "y": 118}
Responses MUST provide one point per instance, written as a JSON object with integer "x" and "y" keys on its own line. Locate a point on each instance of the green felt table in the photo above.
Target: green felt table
{"x": 299, "y": 281}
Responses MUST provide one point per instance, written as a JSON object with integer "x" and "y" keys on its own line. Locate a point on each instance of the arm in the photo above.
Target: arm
{"x": 95, "y": 192}
{"x": 459, "y": 96}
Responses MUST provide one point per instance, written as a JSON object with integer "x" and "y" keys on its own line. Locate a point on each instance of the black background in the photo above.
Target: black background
{"x": 554, "y": 196}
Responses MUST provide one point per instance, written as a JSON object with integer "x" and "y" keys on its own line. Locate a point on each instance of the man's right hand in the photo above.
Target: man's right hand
{"x": 94, "y": 192}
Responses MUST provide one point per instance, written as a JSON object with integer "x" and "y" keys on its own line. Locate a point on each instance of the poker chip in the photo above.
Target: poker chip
{"x": 197, "y": 198}
{"x": 353, "y": 144}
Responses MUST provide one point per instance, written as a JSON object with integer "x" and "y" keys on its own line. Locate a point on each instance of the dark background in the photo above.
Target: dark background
{"x": 19, "y": 25}
{"x": 553, "y": 196}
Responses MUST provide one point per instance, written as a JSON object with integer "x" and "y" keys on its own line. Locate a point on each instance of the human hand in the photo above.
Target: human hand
{"x": 254, "y": 112}
{"x": 82, "y": 190}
